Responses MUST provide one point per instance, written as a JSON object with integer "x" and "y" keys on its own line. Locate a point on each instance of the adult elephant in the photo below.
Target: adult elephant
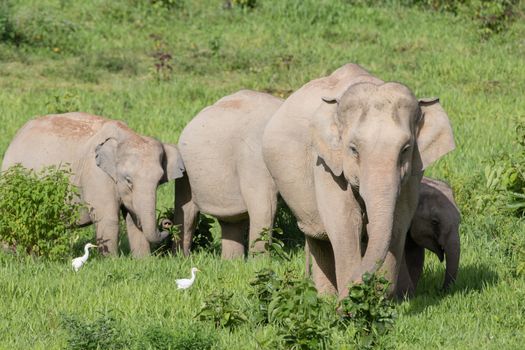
{"x": 225, "y": 172}
{"x": 115, "y": 168}
{"x": 347, "y": 153}
{"x": 435, "y": 226}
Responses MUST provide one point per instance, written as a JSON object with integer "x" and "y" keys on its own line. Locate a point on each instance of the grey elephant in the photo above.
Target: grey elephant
{"x": 115, "y": 168}
{"x": 225, "y": 173}
{"x": 347, "y": 153}
{"x": 435, "y": 226}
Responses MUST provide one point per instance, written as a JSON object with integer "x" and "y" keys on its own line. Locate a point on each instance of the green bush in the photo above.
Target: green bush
{"x": 189, "y": 337}
{"x": 368, "y": 310}
{"x": 103, "y": 333}
{"x": 38, "y": 210}
{"x": 219, "y": 309}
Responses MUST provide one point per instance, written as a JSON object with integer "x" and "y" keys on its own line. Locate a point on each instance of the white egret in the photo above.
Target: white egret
{"x": 78, "y": 262}
{"x": 185, "y": 283}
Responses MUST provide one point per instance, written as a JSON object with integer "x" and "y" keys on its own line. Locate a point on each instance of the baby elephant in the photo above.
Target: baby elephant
{"x": 116, "y": 169}
{"x": 226, "y": 174}
{"x": 435, "y": 226}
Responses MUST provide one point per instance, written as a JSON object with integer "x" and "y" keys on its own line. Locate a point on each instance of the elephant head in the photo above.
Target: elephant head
{"x": 137, "y": 165}
{"x": 435, "y": 225}
{"x": 378, "y": 137}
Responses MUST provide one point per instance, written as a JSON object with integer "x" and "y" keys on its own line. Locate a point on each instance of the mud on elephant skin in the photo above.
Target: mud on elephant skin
{"x": 347, "y": 153}
{"x": 435, "y": 226}
{"x": 115, "y": 168}
{"x": 225, "y": 173}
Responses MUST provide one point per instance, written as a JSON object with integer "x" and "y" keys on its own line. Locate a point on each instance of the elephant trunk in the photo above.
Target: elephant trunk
{"x": 452, "y": 252}
{"x": 147, "y": 221}
{"x": 380, "y": 197}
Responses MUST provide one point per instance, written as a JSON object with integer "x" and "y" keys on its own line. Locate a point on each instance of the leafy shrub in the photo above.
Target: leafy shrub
{"x": 368, "y": 310}
{"x": 103, "y": 333}
{"x": 63, "y": 102}
{"x": 219, "y": 309}
{"x": 243, "y": 4}
{"x": 285, "y": 220}
{"x": 301, "y": 315}
{"x": 273, "y": 246}
{"x": 190, "y": 337}
{"x": 292, "y": 305}
{"x": 168, "y": 4}
{"x": 38, "y": 210}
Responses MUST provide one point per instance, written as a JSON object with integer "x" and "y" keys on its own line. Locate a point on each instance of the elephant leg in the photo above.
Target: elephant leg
{"x": 138, "y": 243}
{"x": 342, "y": 218}
{"x": 415, "y": 259}
{"x": 262, "y": 214}
{"x": 405, "y": 287}
{"x": 106, "y": 227}
{"x": 233, "y": 239}
{"x": 323, "y": 271}
{"x": 186, "y": 214}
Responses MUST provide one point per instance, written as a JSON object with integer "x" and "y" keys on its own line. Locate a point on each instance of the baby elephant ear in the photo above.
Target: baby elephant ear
{"x": 172, "y": 163}
{"x": 325, "y": 135}
{"x": 434, "y": 134}
{"x": 106, "y": 157}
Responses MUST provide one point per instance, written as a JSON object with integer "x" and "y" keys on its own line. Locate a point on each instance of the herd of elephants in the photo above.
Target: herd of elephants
{"x": 346, "y": 152}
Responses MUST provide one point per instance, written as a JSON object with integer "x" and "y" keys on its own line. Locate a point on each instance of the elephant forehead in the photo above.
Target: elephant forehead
{"x": 71, "y": 124}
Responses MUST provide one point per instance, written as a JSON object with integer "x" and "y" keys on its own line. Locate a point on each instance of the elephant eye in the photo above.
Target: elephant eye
{"x": 128, "y": 181}
{"x": 435, "y": 222}
{"x": 405, "y": 149}
{"x": 353, "y": 149}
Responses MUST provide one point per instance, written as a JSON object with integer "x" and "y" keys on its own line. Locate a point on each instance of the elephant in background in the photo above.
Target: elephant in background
{"x": 435, "y": 226}
{"x": 347, "y": 153}
{"x": 115, "y": 168}
{"x": 225, "y": 173}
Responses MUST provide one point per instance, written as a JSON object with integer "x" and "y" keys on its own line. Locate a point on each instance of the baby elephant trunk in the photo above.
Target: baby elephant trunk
{"x": 452, "y": 252}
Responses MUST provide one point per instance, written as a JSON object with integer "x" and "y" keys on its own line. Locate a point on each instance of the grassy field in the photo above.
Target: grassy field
{"x": 156, "y": 67}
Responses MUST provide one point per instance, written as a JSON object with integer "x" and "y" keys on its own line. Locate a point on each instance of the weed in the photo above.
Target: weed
{"x": 162, "y": 60}
{"x": 368, "y": 310}
{"x": 273, "y": 246}
{"x": 38, "y": 210}
{"x": 63, "y": 102}
{"x": 188, "y": 337}
{"x": 103, "y": 333}
{"x": 219, "y": 309}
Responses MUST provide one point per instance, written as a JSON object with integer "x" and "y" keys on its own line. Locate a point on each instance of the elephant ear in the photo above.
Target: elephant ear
{"x": 434, "y": 134}
{"x": 172, "y": 163}
{"x": 106, "y": 157}
{"x": 326, "y": 137}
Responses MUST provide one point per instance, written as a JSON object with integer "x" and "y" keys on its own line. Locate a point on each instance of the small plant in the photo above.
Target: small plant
{"x": 302, "y": 318}
{"x": 264, "y": 285}
{"x": 168, "y": 4}
{"x": 272, "y": 245}
{"x": 38, "y": 210}
{"x": 202, "y": 238}
{"x": 63, "y": 103}
{"x": 189, "y": 337}
{"x": 368, "y": 310}
{"x": 102, "y": 333}
{"x": 218, "y": 309}
{"x": 162, "y": 59}
{"x": 243, "y": 4}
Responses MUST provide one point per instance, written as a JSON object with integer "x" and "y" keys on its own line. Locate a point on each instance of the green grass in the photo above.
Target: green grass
{"x": 101, "y": 53}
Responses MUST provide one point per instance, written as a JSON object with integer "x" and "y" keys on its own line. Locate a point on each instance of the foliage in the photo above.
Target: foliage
{"x": 105, "y": 332}
{"x": 38, "y": 210}
{"x": 168, "y": 4}
{"x": 244, "y": 4}
{"x": 63, "y": 103}
{"x": 188, "y": 337}
{"x": 273, "y": 246}
{"x": 219, "y": 309}
{"x": 368, "y": 310}
{"x": 203, "y": 238}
